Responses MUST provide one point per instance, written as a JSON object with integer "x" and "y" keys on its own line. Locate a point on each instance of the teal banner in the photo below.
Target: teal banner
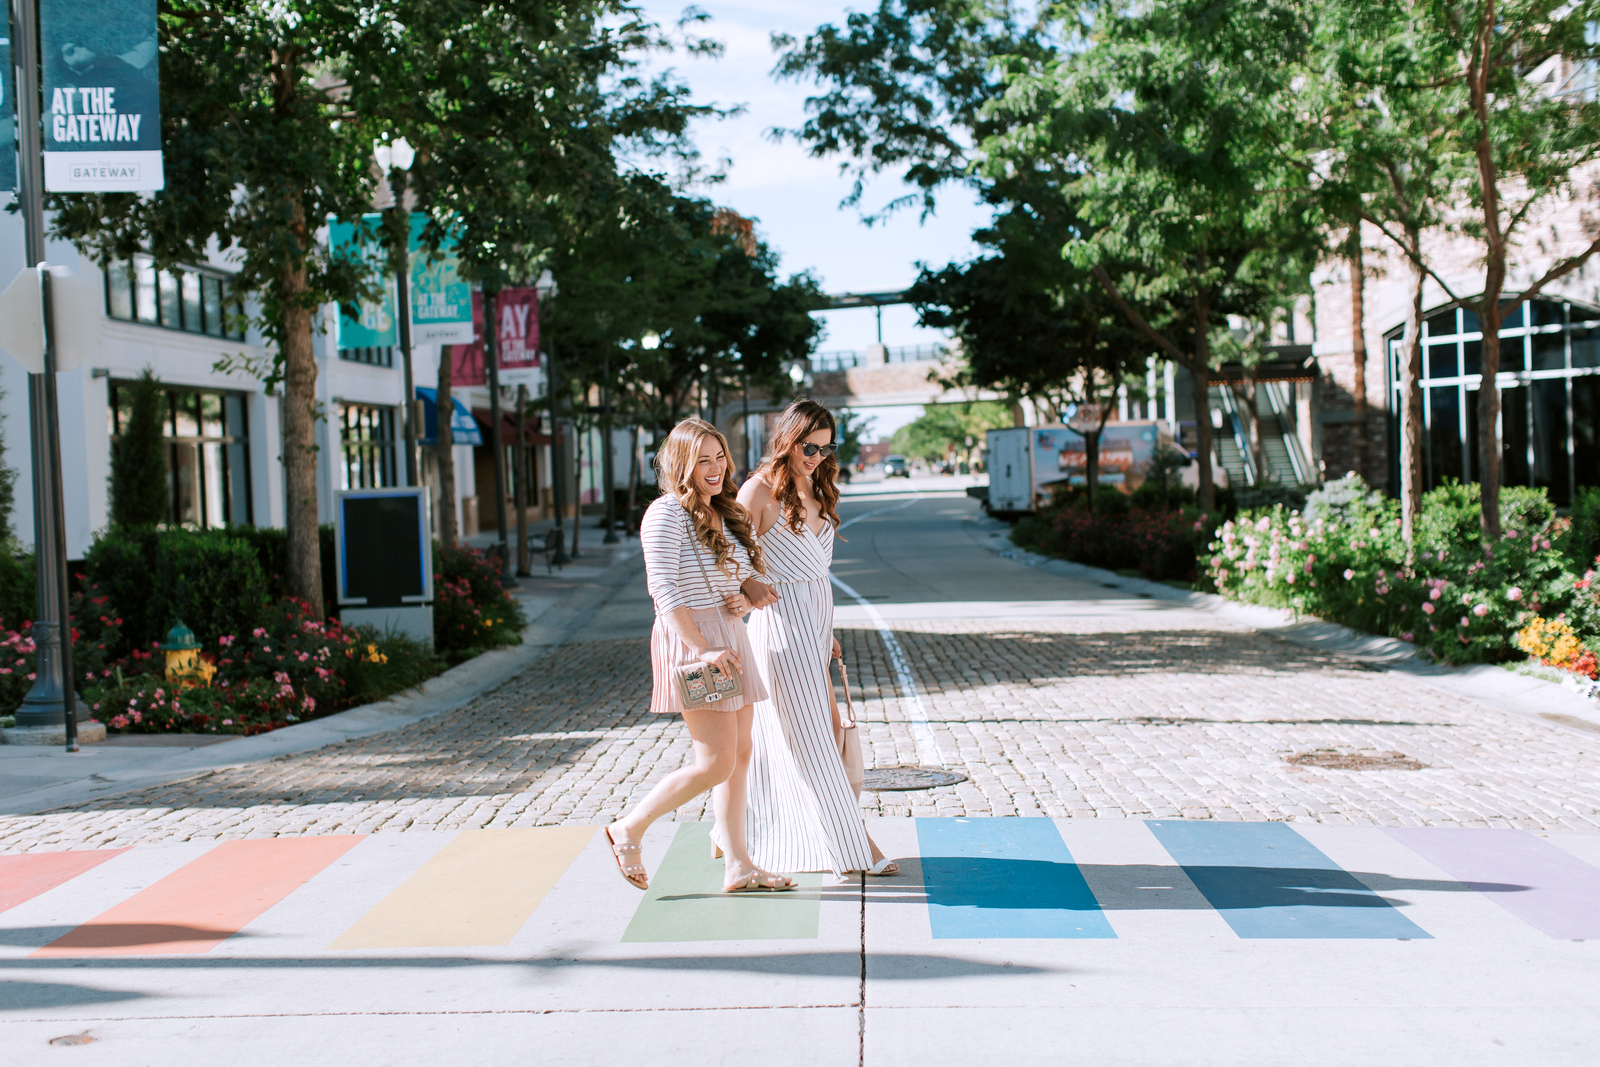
{"x": 8, "y": 105}
{"x": 102, "y": 96}
{"x": 376, "y": 326}
{"x": 441, "y": 302}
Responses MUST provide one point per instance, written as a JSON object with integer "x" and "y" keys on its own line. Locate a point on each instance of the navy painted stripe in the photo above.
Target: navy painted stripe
{"x": 1269, "y": 882}
{"x": 1004, "y": 878}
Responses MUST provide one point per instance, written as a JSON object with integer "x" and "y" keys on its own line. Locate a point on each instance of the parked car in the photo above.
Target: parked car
{"x": 896, "y": 466}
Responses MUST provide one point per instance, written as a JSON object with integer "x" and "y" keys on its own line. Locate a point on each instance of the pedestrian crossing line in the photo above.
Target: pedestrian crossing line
{"x": 1546, "y": 887}
{"x": 25, "y": 876}
{"x": 685, "y": 901}
{"x": 479, "y": 890}
{"x": 206, "y": 901}
{"x": 991, "y": 878}
{"x": 1267, "y": 881}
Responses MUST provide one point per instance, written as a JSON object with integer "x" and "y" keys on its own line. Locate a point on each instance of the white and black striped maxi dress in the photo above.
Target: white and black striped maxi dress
{"x": 803, "y": 814}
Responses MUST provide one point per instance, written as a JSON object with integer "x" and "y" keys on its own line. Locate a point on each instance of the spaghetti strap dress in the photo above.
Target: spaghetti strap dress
{"x": 803, "y": 815}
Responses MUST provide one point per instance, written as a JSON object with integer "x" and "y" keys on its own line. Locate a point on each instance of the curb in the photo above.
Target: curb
{"x": 439, "y": 695}
{"x": 1548, "y": 702}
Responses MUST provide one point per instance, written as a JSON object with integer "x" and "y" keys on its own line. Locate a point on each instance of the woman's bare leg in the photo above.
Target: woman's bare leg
{"x": 716, "y": 741}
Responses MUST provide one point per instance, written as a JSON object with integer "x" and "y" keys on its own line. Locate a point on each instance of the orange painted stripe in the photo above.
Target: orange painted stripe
{"x": 201, "y": 904}
{"x": 25, "y": 876}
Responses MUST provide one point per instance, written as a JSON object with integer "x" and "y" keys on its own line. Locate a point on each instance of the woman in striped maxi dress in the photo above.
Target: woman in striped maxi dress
{"x": 803, "y": 814}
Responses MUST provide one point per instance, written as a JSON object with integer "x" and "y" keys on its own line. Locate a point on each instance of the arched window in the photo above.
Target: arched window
{"x": 1549, "y": 396}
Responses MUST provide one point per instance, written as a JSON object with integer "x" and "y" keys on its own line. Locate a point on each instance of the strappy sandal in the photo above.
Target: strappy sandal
{"x": 634, "y": 873}
{"x": 755, "y": 882}
{"x": 884, "y": 868}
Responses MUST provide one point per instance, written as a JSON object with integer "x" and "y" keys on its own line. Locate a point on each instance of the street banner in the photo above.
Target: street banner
{"x": 102, "y": 99}
{"x": 441, "y": 302}
{"x": 516, "y": 344}
{"x": 8, "y": 104}
{"x": 518, "y": 340}
{"x": 376, "y": 326}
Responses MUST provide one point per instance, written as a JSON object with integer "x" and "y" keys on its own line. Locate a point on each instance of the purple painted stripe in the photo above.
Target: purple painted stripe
{"x": 1546, "y": 887}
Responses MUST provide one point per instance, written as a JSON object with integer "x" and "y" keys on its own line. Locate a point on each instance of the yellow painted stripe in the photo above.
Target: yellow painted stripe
{"x": 478, "y": 890}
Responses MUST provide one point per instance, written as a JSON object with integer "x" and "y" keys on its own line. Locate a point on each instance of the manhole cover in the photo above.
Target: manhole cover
{"x": 883, "y": 779}
{"x": 1349, "y": 761}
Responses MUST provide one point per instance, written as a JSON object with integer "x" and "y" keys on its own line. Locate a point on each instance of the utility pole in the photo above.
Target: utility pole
{"x": 395, "y": 160}
{"x": 51, "y": 699}
{"x": 491, "y": 361}
{"x": 546, "y": 288}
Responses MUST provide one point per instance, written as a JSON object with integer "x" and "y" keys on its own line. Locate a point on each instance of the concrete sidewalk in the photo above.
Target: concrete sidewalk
{"x": 39, "y": 778}
{"x": 1002, "y": 940}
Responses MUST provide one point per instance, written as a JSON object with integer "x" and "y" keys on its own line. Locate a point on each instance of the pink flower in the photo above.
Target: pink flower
{"x": 227, "y": 722}
{"x": 1511, "y": 533}
{"x": 1427, "y": 607}
{"x": 1435, "y": 593}
{"x": 225, "y": 640}
{"x": 1405, "y": 637}
{"x": 1480, "y": 610}
{"x": 1513, "y": 593}
{"x": 118, "y": 721}
{"x": 1349, "y": 574}
{"x": 1463, "y": 620}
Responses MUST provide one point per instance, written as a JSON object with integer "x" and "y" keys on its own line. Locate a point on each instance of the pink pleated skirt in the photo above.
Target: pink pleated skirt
{"x": 667, "y": 652}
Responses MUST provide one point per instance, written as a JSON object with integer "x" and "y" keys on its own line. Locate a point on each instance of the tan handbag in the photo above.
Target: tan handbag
{"x": 849, "y": 737}
{"x": 701, "y": 685}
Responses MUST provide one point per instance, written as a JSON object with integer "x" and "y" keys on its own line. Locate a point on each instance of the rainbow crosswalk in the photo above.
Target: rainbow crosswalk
{"x": 969, "y": 879}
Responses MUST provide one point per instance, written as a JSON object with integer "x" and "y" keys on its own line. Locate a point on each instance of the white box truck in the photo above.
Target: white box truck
{"x": 1010, "y": 465}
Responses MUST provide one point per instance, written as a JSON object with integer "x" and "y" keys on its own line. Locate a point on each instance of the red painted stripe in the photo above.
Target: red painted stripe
{"x": 26, "y": 875}
{"x": 202, "y": 903}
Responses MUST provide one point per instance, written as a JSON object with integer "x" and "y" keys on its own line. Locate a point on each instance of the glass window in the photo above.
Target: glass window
{"x": 191, "y": 301}
{"x": 1442, "y": 360}
{"x": 370, "y": 455}
{"x": 208, "y": 457}
{"x": 1472, "y": 357}
{"x": 1549, "y": 438}
{"x": 1514, "y": 436}
{"x": 377, "y": 357}
{"x": 1586, "y": 348}
{"x": 185, "y": 415}
{"x": 1469, "y": 321}
{"x": 1512, "y": 319}
{"x": 1442, "y": 324}
{"x": 1549, "y": 351}
{"x": 211, "y": 304}
{"x": 1546, "y": 313}
{"x": 211, "y": 415}
{"x": 119, "y": 291}
{"x": 1444, "y": 434}
{"x": 1586, "y": 429}
{"x": 1512, "y": 354}
{"x": 145, "y": 273}
{"x": 171, "y": 308}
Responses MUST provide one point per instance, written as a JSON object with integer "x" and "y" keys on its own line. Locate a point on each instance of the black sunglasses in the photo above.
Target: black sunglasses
{"x": 811, "y": 449}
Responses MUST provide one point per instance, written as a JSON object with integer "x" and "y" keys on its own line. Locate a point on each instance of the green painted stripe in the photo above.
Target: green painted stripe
{"x": 685, "y": 901}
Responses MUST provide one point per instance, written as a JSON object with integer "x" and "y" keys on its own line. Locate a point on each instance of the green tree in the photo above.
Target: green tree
{"x": 852, "y": 425}
{"x": 138, "y": 482}
{"x": 945, "y": 429}
{"x": 8, "y": 489}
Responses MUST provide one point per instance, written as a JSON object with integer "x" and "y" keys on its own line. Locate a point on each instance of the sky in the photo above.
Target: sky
{"x": 794, "y": 198}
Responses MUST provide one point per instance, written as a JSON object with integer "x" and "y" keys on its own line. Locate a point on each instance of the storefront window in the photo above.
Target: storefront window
{"x": 182, "y": 298}
{"x": 208, "y": 454}
{"x": 370, "y": 455}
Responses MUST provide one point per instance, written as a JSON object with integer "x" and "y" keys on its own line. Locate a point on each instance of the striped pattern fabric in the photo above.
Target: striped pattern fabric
{"x": 803, "y": 815}
{"x": 671, "y": 571}
{"x": 667, "y": 652}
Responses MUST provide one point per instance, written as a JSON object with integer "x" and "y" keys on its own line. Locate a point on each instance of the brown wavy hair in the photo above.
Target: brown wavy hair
{"x": 800, "y": 420}
{"x": 675, "y": 461}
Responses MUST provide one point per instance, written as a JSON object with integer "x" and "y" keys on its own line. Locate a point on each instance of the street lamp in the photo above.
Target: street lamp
{"x": 547, "y": 289}
{"x": 395, "y": 159}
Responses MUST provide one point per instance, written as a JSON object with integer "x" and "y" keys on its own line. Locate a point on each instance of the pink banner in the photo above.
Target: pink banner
{"x": 518, "y": 340}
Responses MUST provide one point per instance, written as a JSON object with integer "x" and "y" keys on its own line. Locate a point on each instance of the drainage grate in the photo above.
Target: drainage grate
{"x": 1351, "y": 761}
{"x": 886, "y": 779}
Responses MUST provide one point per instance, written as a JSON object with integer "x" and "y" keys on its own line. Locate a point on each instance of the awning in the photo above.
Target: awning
{"x": 1284, "y": 363}
{"x": 508, "y": 427}
{"x": 463, "y": 427}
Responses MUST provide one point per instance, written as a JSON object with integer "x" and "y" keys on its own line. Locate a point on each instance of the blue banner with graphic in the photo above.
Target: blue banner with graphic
{"x": 102, "y": 96}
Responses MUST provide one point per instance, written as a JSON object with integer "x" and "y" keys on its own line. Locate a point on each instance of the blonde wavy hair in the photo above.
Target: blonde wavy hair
{"x": 675, "y": 462}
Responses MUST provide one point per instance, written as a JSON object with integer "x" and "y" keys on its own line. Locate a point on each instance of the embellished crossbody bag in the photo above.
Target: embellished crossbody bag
{"x": 700, "y": 684}
{"x": 849, "y": 737}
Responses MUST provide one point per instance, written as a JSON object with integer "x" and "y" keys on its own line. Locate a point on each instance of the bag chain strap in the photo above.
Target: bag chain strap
{"x": 695, "y": 541}
{"x": 849, "y": 704}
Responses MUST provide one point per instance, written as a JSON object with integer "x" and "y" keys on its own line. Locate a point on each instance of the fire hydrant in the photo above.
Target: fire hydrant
{"x": 185, "y": 668}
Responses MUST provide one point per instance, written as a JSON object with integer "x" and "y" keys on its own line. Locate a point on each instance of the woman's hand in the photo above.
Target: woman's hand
{"x": 759, "y": 593}
{"x": 737, "y": 604}
{"x": 838, "y": 652}
{"x": 722, "y": 659}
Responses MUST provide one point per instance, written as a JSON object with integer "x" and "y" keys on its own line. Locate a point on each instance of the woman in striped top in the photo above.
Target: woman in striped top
{"x": 804, "y": 816}
{"x": 694, "y": 569}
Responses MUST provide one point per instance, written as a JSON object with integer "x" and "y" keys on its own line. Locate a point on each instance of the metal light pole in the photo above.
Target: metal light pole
{"x": 51, "y": 699}
{"x": 395, "y": 160}
{"x": 546, "y": 288}
{"x": 491, "y": 360}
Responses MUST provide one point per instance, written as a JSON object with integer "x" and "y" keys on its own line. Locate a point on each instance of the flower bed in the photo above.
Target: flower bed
{"x": 1147, "y": 532}
{"x": 283, "y": 666}
{"x": 1461, "y": 600}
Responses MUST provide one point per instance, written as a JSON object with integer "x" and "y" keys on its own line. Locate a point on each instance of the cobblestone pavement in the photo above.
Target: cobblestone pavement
{"x": 1112, "y": 708}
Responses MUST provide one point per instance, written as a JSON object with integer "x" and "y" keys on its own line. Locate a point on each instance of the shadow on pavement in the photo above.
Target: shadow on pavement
{"x": 34, "y": 995}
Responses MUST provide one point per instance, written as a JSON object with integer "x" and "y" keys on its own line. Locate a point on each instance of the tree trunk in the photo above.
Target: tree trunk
{"x": 1481, "y": 68}
{"x": 1358, "y": 345}
{"x": 444, "y": 448}
{"x": 1489, "y": 418}
{"x": 1091, "y": 454}
{"x": 633, "y": 480}
{"x": 1411, "y": 401}
{"x": 577, "y": 471}
{"x": 299, "y": 432}
{"x": 1201, "y": 376}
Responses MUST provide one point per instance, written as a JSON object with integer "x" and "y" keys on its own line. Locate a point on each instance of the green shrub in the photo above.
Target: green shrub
{"x": 385, "y": 664}
{"x": 1581, "y": 542}
{"x": 271, "y": 546}
{"x": 1118, "y": 534}
{"x": 210, "y": 580}
{"x": 138, "y": 482}
{"x": 470, "y": 610}
{"x": 17, "y": 584}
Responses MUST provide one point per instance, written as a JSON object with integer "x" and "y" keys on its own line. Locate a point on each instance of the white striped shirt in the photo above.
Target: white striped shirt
{"x": 671, "y": 571}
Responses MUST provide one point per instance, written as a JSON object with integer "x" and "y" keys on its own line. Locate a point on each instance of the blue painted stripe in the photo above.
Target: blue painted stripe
{"x": 1004, "y": 878}
{"x": 1268, "y": 881}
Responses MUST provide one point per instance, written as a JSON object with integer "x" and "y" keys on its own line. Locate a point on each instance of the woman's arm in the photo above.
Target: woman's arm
{"x": 681, "y": 623}
{"x": 756, "y": 496}
{"x": 661, "y": 536}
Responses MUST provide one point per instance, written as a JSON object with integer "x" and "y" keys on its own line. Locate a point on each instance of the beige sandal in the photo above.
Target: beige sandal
{"x": 759, "y": 881}
{"x": 635, "y": 873}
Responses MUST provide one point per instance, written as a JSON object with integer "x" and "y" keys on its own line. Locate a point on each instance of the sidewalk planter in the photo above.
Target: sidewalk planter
{"x": 1157, "y": 534}
{"x": 1457, "y": 598}
{"x": 255, "y": 660}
